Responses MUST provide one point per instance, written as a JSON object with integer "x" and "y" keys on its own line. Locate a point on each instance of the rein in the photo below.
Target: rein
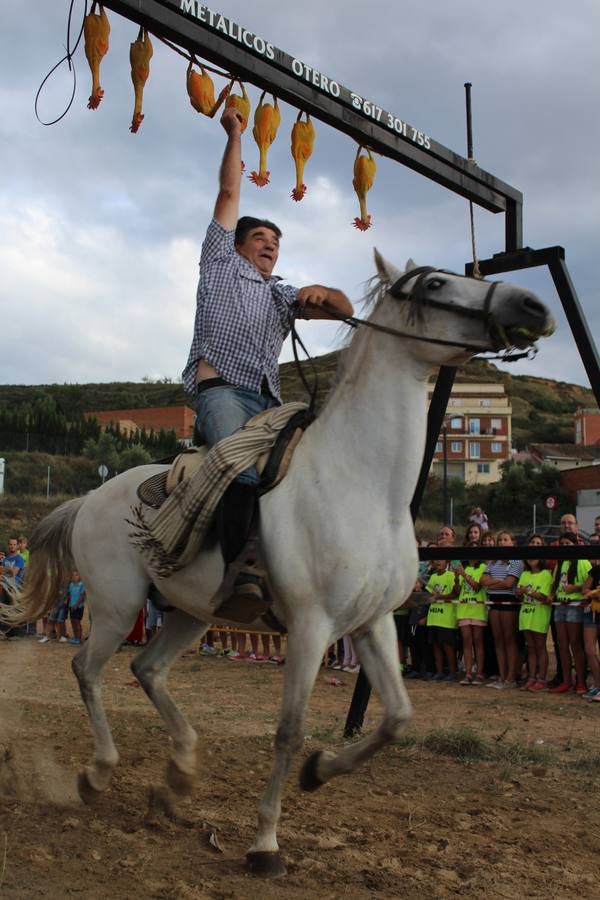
{"x": 416, "y": 294}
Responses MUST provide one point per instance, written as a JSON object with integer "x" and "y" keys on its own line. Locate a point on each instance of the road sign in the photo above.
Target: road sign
{"x": 550, "y": 502}
{"x": 102, "y": 471}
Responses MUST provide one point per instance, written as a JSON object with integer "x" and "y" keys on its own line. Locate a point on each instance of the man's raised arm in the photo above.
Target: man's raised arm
{"x": 230, "y": 175}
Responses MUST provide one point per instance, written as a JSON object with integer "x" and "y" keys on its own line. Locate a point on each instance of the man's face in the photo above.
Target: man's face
{"x": 597, "y": 525}
{"x": 261, "y": 248}
{"x": 568, "y": 524}
{"x": 12, "y": 546}
{"x": 445, "y": 534}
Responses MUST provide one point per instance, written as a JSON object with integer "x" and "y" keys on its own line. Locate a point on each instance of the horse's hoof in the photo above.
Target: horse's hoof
{"x": 180, "y": 783}
{"x": 265, "y": 864}
{"x": 86, "y": 791}
{"x": 159, "y": 804}
{"x": 309, "y": 780}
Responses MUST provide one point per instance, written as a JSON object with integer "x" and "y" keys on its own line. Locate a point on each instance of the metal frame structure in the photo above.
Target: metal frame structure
{"x": 251, "y": 58}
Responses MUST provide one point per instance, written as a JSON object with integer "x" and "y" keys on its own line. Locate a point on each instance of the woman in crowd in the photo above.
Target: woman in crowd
{"x": 534, "y": 589}
{"x": 473, "y": 534}
{"x": 472, "y": 617}
{"x": 569, "y": 578}
{"x": 500, "y": 580}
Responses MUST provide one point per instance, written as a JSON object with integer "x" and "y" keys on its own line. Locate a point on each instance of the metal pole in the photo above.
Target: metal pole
{"x": 48, "y": 484}
{"x": 446, "y": 518}
{"x": 534, "y": 517}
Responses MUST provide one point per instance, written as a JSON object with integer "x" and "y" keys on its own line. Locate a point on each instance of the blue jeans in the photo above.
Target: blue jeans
{"x": 225, "y": 409}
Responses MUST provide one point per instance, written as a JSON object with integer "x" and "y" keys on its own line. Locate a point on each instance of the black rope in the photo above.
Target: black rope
{"x": 312, "y": 391}
{"x": 68, "y": 57}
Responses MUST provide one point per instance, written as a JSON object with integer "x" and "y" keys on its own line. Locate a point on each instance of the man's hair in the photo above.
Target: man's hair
{"x": 247, "y": 223}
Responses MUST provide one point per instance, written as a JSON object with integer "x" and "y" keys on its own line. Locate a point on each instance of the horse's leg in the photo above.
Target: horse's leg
{"x": 304, "y": 655}
{"x": 377, "y": 651}
{"x": 151, "y": 667}
{"x": 109, "y": 628}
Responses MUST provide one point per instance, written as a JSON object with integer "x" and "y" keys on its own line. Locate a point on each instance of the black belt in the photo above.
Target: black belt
{"x": 207, "y": 383}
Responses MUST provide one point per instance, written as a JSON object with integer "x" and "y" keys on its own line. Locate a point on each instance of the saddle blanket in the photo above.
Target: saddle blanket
{"x": 171, "y": 537}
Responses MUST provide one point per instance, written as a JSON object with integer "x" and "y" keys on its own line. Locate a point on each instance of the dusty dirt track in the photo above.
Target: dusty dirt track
{"x": 415, "y": 823}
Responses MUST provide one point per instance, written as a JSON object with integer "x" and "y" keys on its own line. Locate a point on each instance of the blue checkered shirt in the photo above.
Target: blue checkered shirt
{"x": 242, "y": 319}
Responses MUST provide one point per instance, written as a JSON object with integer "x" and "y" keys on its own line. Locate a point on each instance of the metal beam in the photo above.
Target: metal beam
{"x": 554, "y": 258}
{"x": 249, "y": 56}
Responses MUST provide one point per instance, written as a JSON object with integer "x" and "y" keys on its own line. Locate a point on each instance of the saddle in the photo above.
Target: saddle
{"x": 272, "y": 465}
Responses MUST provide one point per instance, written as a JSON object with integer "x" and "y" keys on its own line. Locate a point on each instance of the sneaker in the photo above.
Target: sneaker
{"x": 468, "y": 679}
{"x": 449, "y": 678}
{"x": 563, "y": 688}
{"x": 256, "y": 657}
{"x": 539, "y": 685}
{"x": 478, "y": 679}
{"x": 528, "y": 684}
{"x": 75, "y": 641}
{"x": 581, "y": 688}
{"x": 236, "y": 656}
{"x": 510, "y": 684}
{"x": 438, "y": 677}
{"x": 44, "y": 640}
{"x": 352, "y": 669}
{"x": 207, "y": 650}
{"x": 596, "y": 698}
{"x": 276, "y": 660}
{"x": 413, "y": 674}
{"x": 591, "y": 692}
{"x": 498, "y": 685}
{"x": 63, "y": 640}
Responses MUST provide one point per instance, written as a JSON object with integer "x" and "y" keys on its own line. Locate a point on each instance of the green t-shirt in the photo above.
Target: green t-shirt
{"x": 472, "y": 602}
{"x": 441, "y": 614}
{"x": 535, "y": 615}
{"x": 583, "y": 570}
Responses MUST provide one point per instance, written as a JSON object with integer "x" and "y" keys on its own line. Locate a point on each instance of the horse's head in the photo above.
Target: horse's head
{"x": 452, "y": 317}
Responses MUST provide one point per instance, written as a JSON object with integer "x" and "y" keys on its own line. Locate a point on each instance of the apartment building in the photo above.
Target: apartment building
{"x": 476, "y": 434}
{"x": 587, "y": 427}
{"x": 179, "y": 418}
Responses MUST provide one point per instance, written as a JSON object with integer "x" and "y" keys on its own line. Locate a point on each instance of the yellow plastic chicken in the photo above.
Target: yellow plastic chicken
{"x": 96, "y": 29}
{"x": 201, "y": 91}
{"x": 364, "y": 175}
{"x": 303, "y": 141}
{"x": 140, "y": 54}
{"x": 242, "y": 104}
{"x": 267, "y": 119}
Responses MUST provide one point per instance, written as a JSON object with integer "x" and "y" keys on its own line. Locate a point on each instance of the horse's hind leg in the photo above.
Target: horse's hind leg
{"x": 151, "y": 667}
{"x": 107, "y": 633}
{"x": 377, "y": 651}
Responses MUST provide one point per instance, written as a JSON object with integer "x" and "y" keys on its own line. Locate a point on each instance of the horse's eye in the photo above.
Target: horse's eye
{"x": 435, "y": 283}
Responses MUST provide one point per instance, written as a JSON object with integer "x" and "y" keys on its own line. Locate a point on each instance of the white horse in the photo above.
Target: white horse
{"x": 337, "y": 537}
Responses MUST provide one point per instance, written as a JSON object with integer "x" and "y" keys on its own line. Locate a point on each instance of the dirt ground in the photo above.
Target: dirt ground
{"x": 416, "y": 822}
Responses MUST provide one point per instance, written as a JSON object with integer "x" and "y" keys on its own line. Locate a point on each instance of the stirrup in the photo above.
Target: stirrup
{"x": 240, "y": 596}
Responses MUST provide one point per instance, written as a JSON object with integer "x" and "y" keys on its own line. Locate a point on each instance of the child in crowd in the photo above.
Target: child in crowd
{"x": 534, "y": 588}
{"x": 55, "y": 623}
{"x": 472, "y": 617}
{"x": 441, "y": 619}
{"x": 75, "y": 602}
{"x": 500, "y": 580}
{"x": 591, "y": 621}
{"x": 569, "y": 578}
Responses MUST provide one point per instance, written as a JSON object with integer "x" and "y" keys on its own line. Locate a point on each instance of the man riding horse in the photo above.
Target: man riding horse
{"x": 243, "y": 315}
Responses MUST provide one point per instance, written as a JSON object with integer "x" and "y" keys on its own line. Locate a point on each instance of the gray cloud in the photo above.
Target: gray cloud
{"x": 102, "y": 229}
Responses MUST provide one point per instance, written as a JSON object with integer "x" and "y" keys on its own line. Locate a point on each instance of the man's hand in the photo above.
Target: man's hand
{"x": 232, "y": 121}
{"x": 315, "y": 300}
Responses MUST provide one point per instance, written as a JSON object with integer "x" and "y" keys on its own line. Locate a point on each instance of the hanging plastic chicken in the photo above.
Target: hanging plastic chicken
{"x": 201, "y": 91}
{"x": 364, "y": 175}
{"x": 96, "y": 29}
{"x": 303, "y": 140}
{"x": 242, "y": 104}
{"x": 140, "y": 54}
{"x": 267, "y": 119}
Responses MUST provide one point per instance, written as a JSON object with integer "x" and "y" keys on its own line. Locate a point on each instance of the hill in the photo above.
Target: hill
{"x": 542, "y": 409}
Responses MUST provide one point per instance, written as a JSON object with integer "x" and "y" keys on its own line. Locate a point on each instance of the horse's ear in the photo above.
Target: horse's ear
{"x": 385, "y": 270}
{"x": 410, "y": 264}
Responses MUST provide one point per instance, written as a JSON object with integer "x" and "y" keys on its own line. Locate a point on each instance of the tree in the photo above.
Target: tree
{"x": 104, "y": 450}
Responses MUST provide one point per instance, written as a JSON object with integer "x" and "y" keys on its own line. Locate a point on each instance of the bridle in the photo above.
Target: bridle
{"x": 418, "y": 295}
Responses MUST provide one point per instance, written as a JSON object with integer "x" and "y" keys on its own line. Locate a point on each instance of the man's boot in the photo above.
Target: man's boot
{"x": 236, "y": 525}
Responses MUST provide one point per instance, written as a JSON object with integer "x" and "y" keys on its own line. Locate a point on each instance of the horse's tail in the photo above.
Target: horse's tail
{"x": 50, "y": 561}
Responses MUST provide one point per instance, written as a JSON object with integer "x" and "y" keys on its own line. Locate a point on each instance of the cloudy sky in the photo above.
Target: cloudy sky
{"x": 101, "y": 229}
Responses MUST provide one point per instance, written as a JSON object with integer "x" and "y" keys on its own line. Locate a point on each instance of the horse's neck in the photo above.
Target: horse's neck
{"x": 374, "y": 423}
